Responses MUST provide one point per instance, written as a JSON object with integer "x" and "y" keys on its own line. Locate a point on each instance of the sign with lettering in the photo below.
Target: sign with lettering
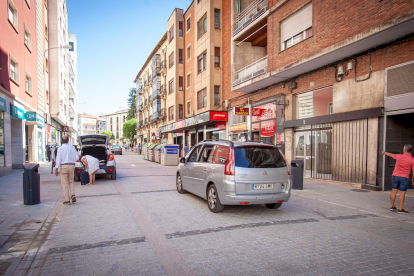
{"x": 16, "y": 112}
{"x": 220, "y": 126}
{"x": 179, "y": 124}
{"x": 264, "y": 112}
{"x": 31, "y": 116}
{"x": 3, "y": 105}
{"x": 241, "y": 111}
{"x": 65, "y": 129}
{"x": 218, "y": 116}
{"x": 238, "y": 127}
{"x": 268, "y": 128}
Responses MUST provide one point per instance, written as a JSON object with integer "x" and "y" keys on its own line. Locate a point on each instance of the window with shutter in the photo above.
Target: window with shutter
{"x": 216, "y": 18}
{"x": 180, "y": 28}
{"x": 216, "y": 95}
{"x": 296, "y": 27}
{"x": 202, "y": 26}
{"x": 171, "y": 60}
{"x": 180, "y": 56}
{"x": 188, "y": 24}
{"x": 216, "y": 57}
{"x": 180, "y": 83}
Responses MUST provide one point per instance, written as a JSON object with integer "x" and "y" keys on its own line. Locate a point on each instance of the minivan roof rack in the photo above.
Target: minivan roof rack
{"x": 220, "y": 140}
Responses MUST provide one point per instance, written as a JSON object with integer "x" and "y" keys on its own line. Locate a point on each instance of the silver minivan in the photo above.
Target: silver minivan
{"x": 235, "y": 173}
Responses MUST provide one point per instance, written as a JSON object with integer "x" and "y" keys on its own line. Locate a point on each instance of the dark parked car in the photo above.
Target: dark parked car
{"x": 116, "y": 149}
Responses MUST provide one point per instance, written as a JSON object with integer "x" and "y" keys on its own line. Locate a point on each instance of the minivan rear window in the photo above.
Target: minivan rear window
{"x": 258, "y": 157}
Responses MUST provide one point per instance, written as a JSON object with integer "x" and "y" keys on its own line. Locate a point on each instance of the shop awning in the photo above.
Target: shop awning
{"x": 197, "y": 120}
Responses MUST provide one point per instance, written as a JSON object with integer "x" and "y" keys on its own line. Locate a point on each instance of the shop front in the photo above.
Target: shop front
{"x": 3, "y": 111}
{"x": 261, "y": 122}
{"x": 190, "y": 131}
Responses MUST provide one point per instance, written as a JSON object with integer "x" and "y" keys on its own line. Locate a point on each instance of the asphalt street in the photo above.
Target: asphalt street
{"x": 139, "y": 224}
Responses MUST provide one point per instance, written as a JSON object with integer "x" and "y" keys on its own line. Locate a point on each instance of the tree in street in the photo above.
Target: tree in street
{"x": 132, "y": 104}
{"x": 129, "y": 129}
{"x": 109, "y": 134}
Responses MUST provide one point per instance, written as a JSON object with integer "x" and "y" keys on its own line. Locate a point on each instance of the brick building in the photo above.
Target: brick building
{"x": 329, "y": 82}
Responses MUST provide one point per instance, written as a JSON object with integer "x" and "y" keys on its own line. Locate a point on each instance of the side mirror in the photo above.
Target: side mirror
{"x": 182, "y": 160}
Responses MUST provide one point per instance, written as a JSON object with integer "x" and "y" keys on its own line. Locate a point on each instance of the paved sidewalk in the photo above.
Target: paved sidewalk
{"x": 133, "y": 225}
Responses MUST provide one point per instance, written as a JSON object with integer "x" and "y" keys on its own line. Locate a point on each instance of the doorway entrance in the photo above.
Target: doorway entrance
{"x": 314, "y": 148}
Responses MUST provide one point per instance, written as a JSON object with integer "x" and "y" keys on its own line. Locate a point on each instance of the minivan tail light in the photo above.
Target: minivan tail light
{"x": 230, "y": 164}
{"x": 284, "y": 158}
{"x": 110, "y": 157}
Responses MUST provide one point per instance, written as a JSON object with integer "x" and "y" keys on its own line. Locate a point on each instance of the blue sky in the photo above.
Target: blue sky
{"x": 114, "y": 40}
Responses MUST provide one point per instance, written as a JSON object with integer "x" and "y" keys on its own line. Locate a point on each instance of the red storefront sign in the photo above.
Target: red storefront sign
{"x": 218, "y": 116}
{"x": 241, "y": 111}
{"x": 179, "y": 124}
{"x": 268, "y": 128}
{"x": 238, "y": 127}
{"x": 264, "y": 112}
{"x": 221, "y": 126}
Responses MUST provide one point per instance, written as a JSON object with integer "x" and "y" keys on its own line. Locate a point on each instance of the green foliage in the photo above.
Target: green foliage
{"x": 129, "y": 129}
{"x": 132, "y": 104}
{"x": 108, "y": 133}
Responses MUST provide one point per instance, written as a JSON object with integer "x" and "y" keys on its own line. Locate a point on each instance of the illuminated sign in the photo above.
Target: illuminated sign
{"x": 238, "y": 127}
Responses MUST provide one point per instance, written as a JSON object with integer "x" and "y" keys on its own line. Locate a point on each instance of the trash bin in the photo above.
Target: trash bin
{"x": 297, "y": 174}
{"x": 169, "y": 155}
{"x": 145, "y": 150}
{"x": 157, "y": 153}
{"x": 151, "y": 156}
{"x": 31, "y": 184}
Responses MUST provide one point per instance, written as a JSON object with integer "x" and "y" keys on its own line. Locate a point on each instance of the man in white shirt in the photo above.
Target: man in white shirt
{"x": 65, "y": 161}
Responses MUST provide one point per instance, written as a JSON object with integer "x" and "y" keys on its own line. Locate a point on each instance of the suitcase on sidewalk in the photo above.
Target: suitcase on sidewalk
{"x": 84, "y": 178}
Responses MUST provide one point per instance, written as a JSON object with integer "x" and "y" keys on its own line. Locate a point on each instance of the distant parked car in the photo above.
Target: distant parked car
{"x": 235, "y": 173}
{"x": 96, "y": 145}
{"x": 116, "y": 149}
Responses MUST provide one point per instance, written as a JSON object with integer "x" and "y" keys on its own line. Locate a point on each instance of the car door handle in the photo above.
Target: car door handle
{"x": 205, "y": 169}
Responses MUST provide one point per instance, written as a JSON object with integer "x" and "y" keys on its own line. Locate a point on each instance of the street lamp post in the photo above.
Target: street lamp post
{"x": 60, "y": 47}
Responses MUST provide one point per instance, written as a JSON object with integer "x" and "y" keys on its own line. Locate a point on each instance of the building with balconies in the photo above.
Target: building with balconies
{"x": 87, "y": 124}
{"x": 115, "y": 123}
{"x": 325, "y": 81}
{"x": 73, "y": 88}
{"x": 150, "y": 99}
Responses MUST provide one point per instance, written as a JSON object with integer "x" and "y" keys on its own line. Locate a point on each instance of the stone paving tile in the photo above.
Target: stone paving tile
{"x": 130, "y": 259}
{"x": 172, "y": 206}
{"x": 299, "y": 249}
{"x": 96, "y": 219}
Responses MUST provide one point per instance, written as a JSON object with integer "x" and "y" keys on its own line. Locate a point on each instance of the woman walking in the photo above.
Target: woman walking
{"x": 92, "y": 165}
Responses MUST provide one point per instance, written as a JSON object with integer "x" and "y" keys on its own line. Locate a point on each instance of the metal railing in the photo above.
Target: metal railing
{"x": 161, "y": 114}
{"x": 249, "y": 14}
{"x": 146, "y": 121}
{"x": 145, "y": 102}
{"x": 250, "y": 71}
{"x": 163, "y": 64}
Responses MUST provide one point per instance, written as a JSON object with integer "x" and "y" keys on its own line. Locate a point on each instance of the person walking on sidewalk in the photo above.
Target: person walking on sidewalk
{"x": 65, "y": 161}
{"x": 401, "y": 176}
{"x": 48, "y": 152}
{"x": 139, "y": 149}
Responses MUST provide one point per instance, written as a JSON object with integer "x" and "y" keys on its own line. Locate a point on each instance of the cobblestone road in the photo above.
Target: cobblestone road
{"x": 139, "y": 225}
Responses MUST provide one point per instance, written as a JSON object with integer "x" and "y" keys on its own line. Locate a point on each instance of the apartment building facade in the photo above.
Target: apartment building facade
{"x": 18, "y": 88}
{"x": 325, "y": 82}
{"x": 87, "y": 124}
{"x": 72, "y": 79}
{"x": 151, "y": 83}
{"x": 195, "y": 112}
{"x": 101, "y": 124}
{"x": 115, "y": 123}
{"x": 60, "y": 68}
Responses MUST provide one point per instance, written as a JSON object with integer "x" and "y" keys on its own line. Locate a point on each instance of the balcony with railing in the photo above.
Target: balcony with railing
{"x": 146, "y": 121}
{"x": 249, "y": 15}
{"x": 250, "y": 71}
{"x": 161, "y": 114}
{"x": 145, "y": 102}
{"x": 163, "y": 89}
{"x": 163, "y": 68}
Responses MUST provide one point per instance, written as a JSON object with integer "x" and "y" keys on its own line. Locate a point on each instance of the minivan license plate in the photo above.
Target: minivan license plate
{"x": 262, "y": 186}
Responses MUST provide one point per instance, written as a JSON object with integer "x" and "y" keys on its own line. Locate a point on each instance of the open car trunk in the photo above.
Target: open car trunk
{"x": 98, "y": 152}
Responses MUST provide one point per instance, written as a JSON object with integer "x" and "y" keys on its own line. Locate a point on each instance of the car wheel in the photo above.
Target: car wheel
{"x": 113, "y": 175}
{"x": 213, "y": 200}
{"x": 179, "y": 184}
{"x": 76, "y": 178}
{"x": 273, "y": 205}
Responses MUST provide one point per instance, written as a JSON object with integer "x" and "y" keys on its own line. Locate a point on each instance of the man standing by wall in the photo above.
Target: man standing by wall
{"x": 401, "y": 176}
{"x": 65, "y": 161}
